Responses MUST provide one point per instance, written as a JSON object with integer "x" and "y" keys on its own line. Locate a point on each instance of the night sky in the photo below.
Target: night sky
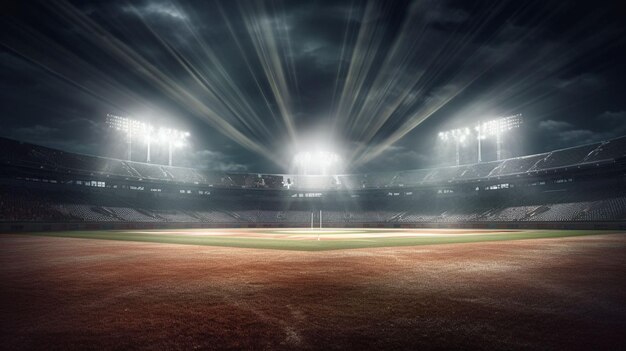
{"x": 254, "y": 81}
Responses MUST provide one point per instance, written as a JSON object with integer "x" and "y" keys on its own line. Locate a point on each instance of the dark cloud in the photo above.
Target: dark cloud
{"x": 560, "y": 133}
{"x": 413, "y": 68}
{"x": 552, "y": 125}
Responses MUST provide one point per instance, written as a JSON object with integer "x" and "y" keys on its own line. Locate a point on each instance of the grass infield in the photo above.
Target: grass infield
{"x": 306, "y": 239}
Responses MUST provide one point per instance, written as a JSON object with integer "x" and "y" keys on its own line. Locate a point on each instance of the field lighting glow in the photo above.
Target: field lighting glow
{"x": 498, "y": 126}
{"x": 483, "y": 130}
{"x": 318, "y": 162}
{"x": 167, "y": 135}
{"x": 172, "y": 138}
{"x": 455, "y": 134}
{"x": 458, "y": 136}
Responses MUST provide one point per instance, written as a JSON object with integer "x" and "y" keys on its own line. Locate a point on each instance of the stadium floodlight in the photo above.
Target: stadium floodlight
{"x": 133, "y": 128}
{"x": 496, "y": 128}
{"x": 174, "y": 139}
{"x": 319, "y": 162}
{"x": 458, "y": 136}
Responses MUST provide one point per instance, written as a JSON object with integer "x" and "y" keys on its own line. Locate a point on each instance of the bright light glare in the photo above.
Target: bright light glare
{"x": 127, "y": 125}
{"x": 484, "y": 130}
{"x": 455, "y": 134}
{"x": 173, "y": 136}
{"x": 319, "y": 162}
{"x": 498, "y": 126}
{"x": 146, "y": 131}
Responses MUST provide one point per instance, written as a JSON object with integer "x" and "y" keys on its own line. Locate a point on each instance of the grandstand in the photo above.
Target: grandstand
{"x": 583, "y": 184}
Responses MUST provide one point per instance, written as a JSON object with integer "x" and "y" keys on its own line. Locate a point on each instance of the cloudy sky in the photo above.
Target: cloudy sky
{"x": 255, "y": 81}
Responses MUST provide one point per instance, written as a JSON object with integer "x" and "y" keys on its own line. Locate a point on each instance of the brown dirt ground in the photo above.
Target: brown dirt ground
{"x": 62, "y": 293}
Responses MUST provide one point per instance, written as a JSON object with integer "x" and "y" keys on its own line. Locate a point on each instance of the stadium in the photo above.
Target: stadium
{"x": 573, "y": 198}
{"x": 577, "y": 188}
{"x": 123, "y": 230}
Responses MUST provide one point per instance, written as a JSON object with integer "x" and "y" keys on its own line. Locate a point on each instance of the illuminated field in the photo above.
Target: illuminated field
{"x": 480, "y": 290}
{"x": 304, "y": 239}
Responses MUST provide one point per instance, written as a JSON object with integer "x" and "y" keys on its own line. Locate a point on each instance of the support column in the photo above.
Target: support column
{"x": 130, "y": 145}
{"x": 498, "y": 146}
{"x": 480, "y": 142}
{"x": 320, "y": 219}
{"x": 170, "y": 153}
{"x": 148, "y": 156}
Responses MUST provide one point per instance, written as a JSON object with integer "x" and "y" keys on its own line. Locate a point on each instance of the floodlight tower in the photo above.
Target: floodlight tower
{"x": 458, "y": 136}
{"x": 131, "y": 128}
{"x": 147, "y": 134}
{"x": 496, "y": 128}
{"x": 174, "y": 139}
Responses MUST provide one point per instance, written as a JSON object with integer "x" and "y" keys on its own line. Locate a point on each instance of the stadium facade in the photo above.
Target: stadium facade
{"x": 48, "y": 189}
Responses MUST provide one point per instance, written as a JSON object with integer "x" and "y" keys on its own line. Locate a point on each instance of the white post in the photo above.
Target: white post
{"x": 320, "y": 219}
{"x": 318, "y": 232}
{"x": 170, "y": 153}
{"x": 458, "y": 153}
{"x": 498, "y": 146}
{"x": 130, "y": 144}
{"x": 148, "y": 157}
{"x": 480, "y": 156}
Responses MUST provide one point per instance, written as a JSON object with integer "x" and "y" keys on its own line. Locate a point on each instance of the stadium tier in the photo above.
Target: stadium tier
{"x": 585, "y": 184}
{"x": 44, "y": 159}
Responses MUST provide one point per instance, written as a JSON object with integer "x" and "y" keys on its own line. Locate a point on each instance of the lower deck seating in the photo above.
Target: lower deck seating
{"x": 24, "y": 204}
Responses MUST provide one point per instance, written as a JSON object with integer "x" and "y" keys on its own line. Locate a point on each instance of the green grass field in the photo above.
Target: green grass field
{"x": 317, "y": 240}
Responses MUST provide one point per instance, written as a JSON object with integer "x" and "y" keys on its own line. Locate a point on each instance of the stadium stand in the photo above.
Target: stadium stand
{"x": 19, "y": 204}
{"x": 584, "y": 184}
{"x": 566, "y": 157}
{"x": 28, "y": 155}
{"x": 516, "y": 165}
{"x": 612, "y": 149}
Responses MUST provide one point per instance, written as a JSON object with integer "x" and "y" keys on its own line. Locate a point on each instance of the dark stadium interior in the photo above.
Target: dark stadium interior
{"x": 312, "y": 175}
{"x": 580, "y": 184}
{"x": 564, "y": 294}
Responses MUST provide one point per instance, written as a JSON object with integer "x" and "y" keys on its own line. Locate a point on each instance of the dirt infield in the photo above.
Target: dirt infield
{"x": 64, "y": 293}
